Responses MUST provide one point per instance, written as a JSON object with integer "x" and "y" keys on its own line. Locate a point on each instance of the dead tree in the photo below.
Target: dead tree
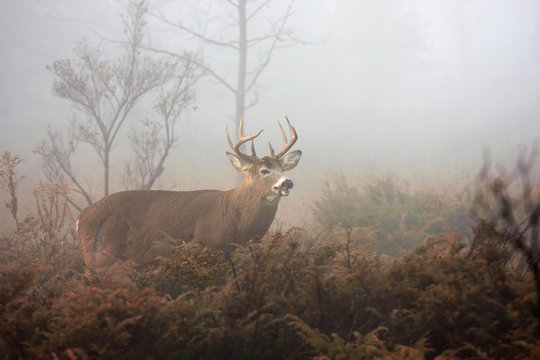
{"x": 152, "y": 145}
{"x": 9, "y": 181}
{"x": 103, "y": 94}
{"x": 253, "y": 51}
{"x": 513, "y": 219}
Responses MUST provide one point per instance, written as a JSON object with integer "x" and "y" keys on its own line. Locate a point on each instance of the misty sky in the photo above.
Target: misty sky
{"x": 407, "y": 87}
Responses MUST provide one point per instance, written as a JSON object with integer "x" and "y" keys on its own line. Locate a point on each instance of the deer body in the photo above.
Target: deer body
{"x": 140, "y": 225}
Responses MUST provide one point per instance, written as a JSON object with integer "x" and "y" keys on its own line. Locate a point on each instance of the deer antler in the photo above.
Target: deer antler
{"x": 288, "y": 144}
{"x": 242, "y": 140}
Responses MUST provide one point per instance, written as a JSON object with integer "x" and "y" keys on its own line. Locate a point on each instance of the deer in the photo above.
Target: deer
{"x": 139, "y": 225}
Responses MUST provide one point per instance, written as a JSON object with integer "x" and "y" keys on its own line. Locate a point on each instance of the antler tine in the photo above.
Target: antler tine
{"x": 228, "y": 137}
{"x": 253, "y": 153}
{"x": 241, "y": 127}
{"x": 272, "y": 153}
{"x": 241, "y": 140}
{"x": 288, "y": 144}
{"x": 283, "y": 132}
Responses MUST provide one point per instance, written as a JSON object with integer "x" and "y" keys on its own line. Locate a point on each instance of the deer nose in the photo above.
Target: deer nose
{"x": 286, "y": 185}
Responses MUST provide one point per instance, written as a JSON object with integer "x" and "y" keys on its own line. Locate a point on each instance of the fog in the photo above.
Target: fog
{"x": 409, "y": 88}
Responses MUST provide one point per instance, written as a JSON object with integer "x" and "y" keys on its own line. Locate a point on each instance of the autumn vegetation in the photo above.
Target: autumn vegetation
{"x": 385, "y": 273}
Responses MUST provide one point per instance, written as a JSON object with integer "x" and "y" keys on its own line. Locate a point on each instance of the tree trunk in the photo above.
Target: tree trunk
{"x": 106, "y": 170}
{"x": 242, "y": 63}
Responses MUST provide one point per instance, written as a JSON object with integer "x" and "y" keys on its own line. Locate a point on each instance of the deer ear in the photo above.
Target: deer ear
{"x": 289, "y": 161}
{"x": 241, "y": 165}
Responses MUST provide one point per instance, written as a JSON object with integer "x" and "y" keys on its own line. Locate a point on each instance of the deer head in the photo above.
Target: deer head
{"x": 265, "y": 174}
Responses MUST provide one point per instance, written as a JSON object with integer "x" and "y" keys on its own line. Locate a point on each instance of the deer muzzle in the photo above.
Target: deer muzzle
{"x": 286, "y": 185}
{"x": 283, "y": 186}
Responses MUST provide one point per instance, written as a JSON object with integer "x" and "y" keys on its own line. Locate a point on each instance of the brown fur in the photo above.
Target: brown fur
{"x": 139, "y": 225}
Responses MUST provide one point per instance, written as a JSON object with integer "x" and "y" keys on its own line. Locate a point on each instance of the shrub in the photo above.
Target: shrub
{"x": 191, "y": 267}
{"x": 102, "y": 323}
{"x": 398, "y": 217}
{"x": 336, "y": 299}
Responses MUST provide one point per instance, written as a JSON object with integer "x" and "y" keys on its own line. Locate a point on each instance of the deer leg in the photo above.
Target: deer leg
{"x": 88, "y": 235}
{"x": 111, "y": 240}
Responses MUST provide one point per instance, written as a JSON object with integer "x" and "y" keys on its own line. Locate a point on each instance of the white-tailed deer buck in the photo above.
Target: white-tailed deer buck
{"x": 139, "y": 225}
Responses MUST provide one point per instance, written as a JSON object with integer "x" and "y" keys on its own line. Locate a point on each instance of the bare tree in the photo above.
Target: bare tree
{"x": 151, "y": 146}
{"x": 10, "y": 181}
{"x": 243, "y": 43}
{"x": 513, "y": 220}
{"x": 104, "y": 93}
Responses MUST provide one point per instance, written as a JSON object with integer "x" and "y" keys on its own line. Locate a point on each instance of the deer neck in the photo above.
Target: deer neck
{"x": 249, "y": 196}
{"x": 253, "y": 208}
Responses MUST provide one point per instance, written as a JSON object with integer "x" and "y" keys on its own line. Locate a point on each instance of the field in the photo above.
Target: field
{"x": 384, "y": 273}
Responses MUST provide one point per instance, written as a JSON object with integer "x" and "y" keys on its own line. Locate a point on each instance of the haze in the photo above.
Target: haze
{"x": 410, "y": 88}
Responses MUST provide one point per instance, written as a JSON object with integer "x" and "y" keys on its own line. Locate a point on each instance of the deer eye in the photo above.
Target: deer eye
{"x": 264, "y": 172}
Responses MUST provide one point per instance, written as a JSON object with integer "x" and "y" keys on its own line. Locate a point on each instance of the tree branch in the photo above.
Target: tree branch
{"x": 230, "y": 44}
{"x": 195, "y": 61}
{"x": 262, "y": 6}
{"x": 233, "y": 3}
{"x": 276, "y": 39}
